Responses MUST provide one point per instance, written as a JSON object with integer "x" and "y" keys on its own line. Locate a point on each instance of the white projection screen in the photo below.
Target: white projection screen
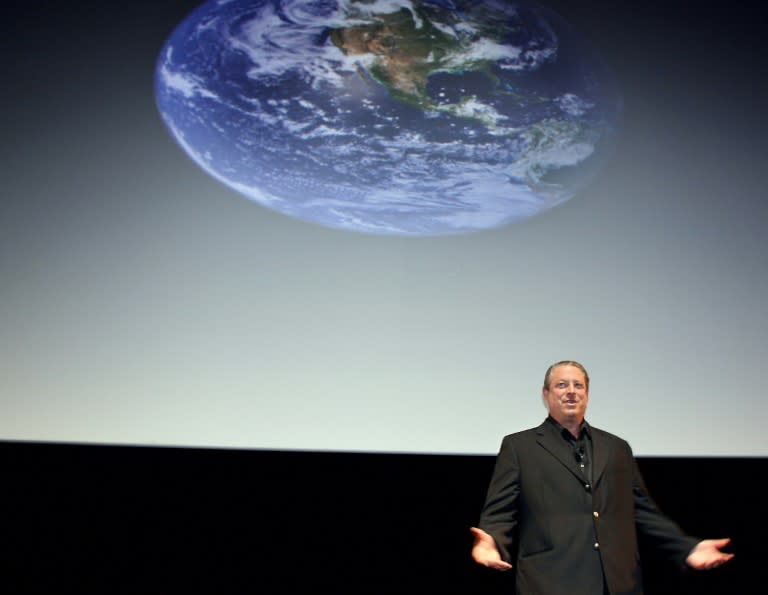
{"x": 145, "y": 299}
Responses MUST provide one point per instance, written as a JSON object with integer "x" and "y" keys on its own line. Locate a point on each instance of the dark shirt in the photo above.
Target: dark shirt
{"x": 581, "y": 447}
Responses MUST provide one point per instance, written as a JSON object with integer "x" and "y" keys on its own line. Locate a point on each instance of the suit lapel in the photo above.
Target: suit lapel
{"x": 557, "y": 447}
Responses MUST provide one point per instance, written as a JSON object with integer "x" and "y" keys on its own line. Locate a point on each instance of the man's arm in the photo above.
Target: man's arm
{"x": 498, "y": 518}
{"x": 664, "y": 534}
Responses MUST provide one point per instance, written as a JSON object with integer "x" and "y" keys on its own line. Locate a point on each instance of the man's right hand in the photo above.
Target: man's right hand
{"x": 485, "y": 552}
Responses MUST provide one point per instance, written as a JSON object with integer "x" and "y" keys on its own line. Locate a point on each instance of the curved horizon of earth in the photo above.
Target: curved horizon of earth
{"x": 399, "y": 117}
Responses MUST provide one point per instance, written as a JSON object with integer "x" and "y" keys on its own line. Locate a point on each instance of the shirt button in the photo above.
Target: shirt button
{"x": 596, "y": 546}
{"x": 596, "y": 514}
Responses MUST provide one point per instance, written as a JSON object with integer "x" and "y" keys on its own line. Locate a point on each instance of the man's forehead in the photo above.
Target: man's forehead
{"x": 567, "y": 372}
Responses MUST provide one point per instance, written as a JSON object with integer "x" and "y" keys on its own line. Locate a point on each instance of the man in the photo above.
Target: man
{"x": 566, "y": 504}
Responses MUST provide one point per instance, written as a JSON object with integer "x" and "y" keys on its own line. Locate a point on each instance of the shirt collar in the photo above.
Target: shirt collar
{"x": 584, "y": 430}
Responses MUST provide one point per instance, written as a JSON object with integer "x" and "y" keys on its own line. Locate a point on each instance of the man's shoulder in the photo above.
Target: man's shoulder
{"x": 532, "y": 433}
{"x": 527, "y": 434}
{"x": 604, "y": 433}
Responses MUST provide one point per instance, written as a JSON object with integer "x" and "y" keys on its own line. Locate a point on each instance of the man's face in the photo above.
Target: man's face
{"x": 567, "y": 395}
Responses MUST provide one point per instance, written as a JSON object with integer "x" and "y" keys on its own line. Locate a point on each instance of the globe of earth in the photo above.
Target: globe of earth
{"x": 391, "y": 117}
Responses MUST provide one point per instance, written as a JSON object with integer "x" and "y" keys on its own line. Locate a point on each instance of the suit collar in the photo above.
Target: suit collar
{"x": 549, "y": 438}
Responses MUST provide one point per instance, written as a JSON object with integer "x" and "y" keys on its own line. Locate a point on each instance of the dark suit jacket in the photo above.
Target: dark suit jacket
{"x": 565, "y": 535}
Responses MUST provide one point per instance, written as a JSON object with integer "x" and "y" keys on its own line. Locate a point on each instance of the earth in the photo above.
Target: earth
{"x": 391, "y": 117}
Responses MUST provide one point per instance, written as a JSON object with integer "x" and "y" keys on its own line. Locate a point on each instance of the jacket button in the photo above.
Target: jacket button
{"x": 587, "y": 486}
{"x": 596, "y": 546}
{"x": 596, "y": 514}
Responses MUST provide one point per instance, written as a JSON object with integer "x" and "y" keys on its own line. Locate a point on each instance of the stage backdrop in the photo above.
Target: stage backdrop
{"x": 593, "y": 176}
{"x": 95, "y": 519}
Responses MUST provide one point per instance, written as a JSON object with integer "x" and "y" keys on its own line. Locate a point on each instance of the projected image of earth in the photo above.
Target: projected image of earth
{"x": 389, "y": 117}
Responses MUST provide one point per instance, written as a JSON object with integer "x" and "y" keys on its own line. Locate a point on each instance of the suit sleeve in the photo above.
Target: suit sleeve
{"x": 499, "y": 516}
{"x": 654, "y": 527}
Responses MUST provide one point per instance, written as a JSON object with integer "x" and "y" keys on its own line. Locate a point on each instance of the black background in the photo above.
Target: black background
{"x": 123, "y": 519}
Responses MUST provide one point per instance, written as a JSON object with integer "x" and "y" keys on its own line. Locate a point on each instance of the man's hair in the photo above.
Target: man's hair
{"x": 565, "y": 363}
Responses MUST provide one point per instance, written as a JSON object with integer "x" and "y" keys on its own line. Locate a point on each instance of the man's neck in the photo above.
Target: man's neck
{"x": 572, "y": 425}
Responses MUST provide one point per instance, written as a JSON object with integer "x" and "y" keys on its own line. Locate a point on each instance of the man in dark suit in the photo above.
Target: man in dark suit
{"x": 566, "y": 504}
